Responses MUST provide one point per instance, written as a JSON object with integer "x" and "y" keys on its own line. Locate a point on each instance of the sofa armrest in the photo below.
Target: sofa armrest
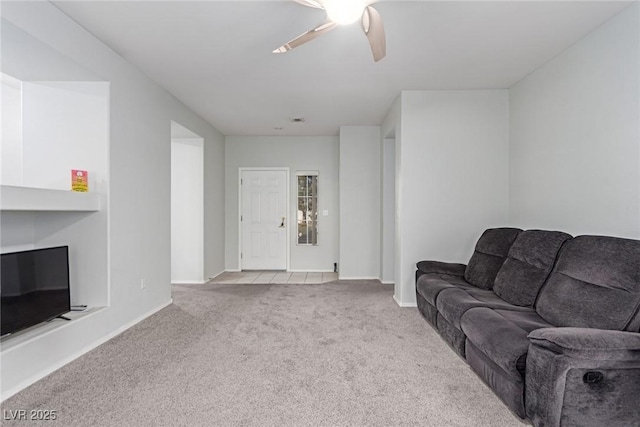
{"x": 438, "y": 267}
{"x": 588, "y": 343}
{"x": 582, "y": 377}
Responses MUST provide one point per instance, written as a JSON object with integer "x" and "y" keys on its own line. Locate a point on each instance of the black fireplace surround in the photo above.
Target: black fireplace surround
{"x": 549, "y": 321}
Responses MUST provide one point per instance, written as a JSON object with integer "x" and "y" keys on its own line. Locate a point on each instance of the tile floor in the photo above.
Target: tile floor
{"x": 267, "y": 277}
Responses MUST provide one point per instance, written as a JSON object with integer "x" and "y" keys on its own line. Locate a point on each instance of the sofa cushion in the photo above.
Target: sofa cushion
{"x": 451, "y": 335}
{"x": 509, "y": 388}
{"x": 452, "y": 303}
{"x": 530, "y": 260}
{"x": 490, "y": 252}
{"x": 502, "y": 335}
{"x": 430, "y": 285}
{"x": 427, "y": 310}
{"x": 594, "y": 284}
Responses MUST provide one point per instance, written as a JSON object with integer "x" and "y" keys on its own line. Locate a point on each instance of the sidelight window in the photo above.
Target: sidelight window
{"x": 307, "y": 208}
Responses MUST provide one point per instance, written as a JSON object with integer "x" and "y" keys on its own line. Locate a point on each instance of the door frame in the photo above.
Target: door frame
{"x": 287, "y": 205}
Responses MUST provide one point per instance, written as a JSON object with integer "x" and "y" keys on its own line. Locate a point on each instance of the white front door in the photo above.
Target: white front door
{"x": 263, "y": 219}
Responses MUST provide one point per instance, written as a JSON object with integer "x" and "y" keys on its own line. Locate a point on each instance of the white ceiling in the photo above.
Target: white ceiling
{"x": 215, "y": 56}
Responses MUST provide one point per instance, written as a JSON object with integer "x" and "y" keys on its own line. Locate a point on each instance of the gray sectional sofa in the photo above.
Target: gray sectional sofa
{"x": 549, "y": 321}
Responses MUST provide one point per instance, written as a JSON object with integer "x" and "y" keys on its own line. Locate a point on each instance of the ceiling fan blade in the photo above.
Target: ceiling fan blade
{"x": 325, "y": 27}
{"x": 373, "y": 28}
{"x": 310, "y": 3}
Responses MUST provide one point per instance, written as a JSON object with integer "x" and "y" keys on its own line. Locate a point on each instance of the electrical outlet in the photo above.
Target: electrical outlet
{"x": 142, "y": 284}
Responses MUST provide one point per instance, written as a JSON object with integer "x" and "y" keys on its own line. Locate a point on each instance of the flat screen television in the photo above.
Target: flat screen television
{"x": 34, "y": 287}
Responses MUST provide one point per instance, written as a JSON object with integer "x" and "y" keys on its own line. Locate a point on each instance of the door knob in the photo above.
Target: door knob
{"x": 282, "y": 223}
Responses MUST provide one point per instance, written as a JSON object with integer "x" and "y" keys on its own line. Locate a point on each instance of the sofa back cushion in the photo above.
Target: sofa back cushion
{"x": 528, "y": 265}
{"x": 490, "y": 252}
{"x": 594, "y": 284}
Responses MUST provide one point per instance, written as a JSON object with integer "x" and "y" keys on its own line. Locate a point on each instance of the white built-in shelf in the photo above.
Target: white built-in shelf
{"x": 25, "y": 336}
{"x": 41, "y": 199}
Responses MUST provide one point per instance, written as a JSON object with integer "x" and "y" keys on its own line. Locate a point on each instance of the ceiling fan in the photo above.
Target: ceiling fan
{"x": 344, "y": 12}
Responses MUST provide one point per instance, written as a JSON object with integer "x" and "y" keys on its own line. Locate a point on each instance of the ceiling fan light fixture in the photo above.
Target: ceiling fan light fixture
{"x": 344, "y": 12}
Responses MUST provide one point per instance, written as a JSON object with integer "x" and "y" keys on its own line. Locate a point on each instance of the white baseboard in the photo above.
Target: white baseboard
{"x": 40, "y": 375}
{"x": 404, "y": 304}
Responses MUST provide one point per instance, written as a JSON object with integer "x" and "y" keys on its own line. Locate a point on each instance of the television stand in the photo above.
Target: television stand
{"x": 62, "y": 317}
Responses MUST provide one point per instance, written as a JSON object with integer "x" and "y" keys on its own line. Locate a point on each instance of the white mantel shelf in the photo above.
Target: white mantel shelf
{"x": 41, "y": 199}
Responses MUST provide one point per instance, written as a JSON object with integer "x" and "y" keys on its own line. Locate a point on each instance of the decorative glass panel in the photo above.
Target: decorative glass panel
{"x": 307, "y": 209}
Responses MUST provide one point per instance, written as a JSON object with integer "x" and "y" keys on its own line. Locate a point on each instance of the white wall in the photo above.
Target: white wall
{"x": 451, "y": 177}
{"x": 139, "y": 182}
{"x": 575, "y": 136}
{"x": 24, "y": 54}
{"x": 214, "y": 207}
{"x": 388, "y": 211}
{"x": 187, "y": 210}
{"x": 360, "y": 195}
{"x": 11, "y": 149}
{"x": 298, "y": 154}
{"x": 391, "y": 127}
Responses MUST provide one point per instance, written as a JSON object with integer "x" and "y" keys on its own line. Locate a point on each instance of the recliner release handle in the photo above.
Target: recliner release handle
{"x": 592, "y": 377}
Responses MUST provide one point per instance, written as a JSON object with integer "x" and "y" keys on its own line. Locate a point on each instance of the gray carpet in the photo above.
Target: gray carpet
{"x": 332, "y": 354}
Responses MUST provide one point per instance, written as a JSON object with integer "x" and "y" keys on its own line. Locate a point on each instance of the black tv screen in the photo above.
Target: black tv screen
{"x": 34, "y": 287}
